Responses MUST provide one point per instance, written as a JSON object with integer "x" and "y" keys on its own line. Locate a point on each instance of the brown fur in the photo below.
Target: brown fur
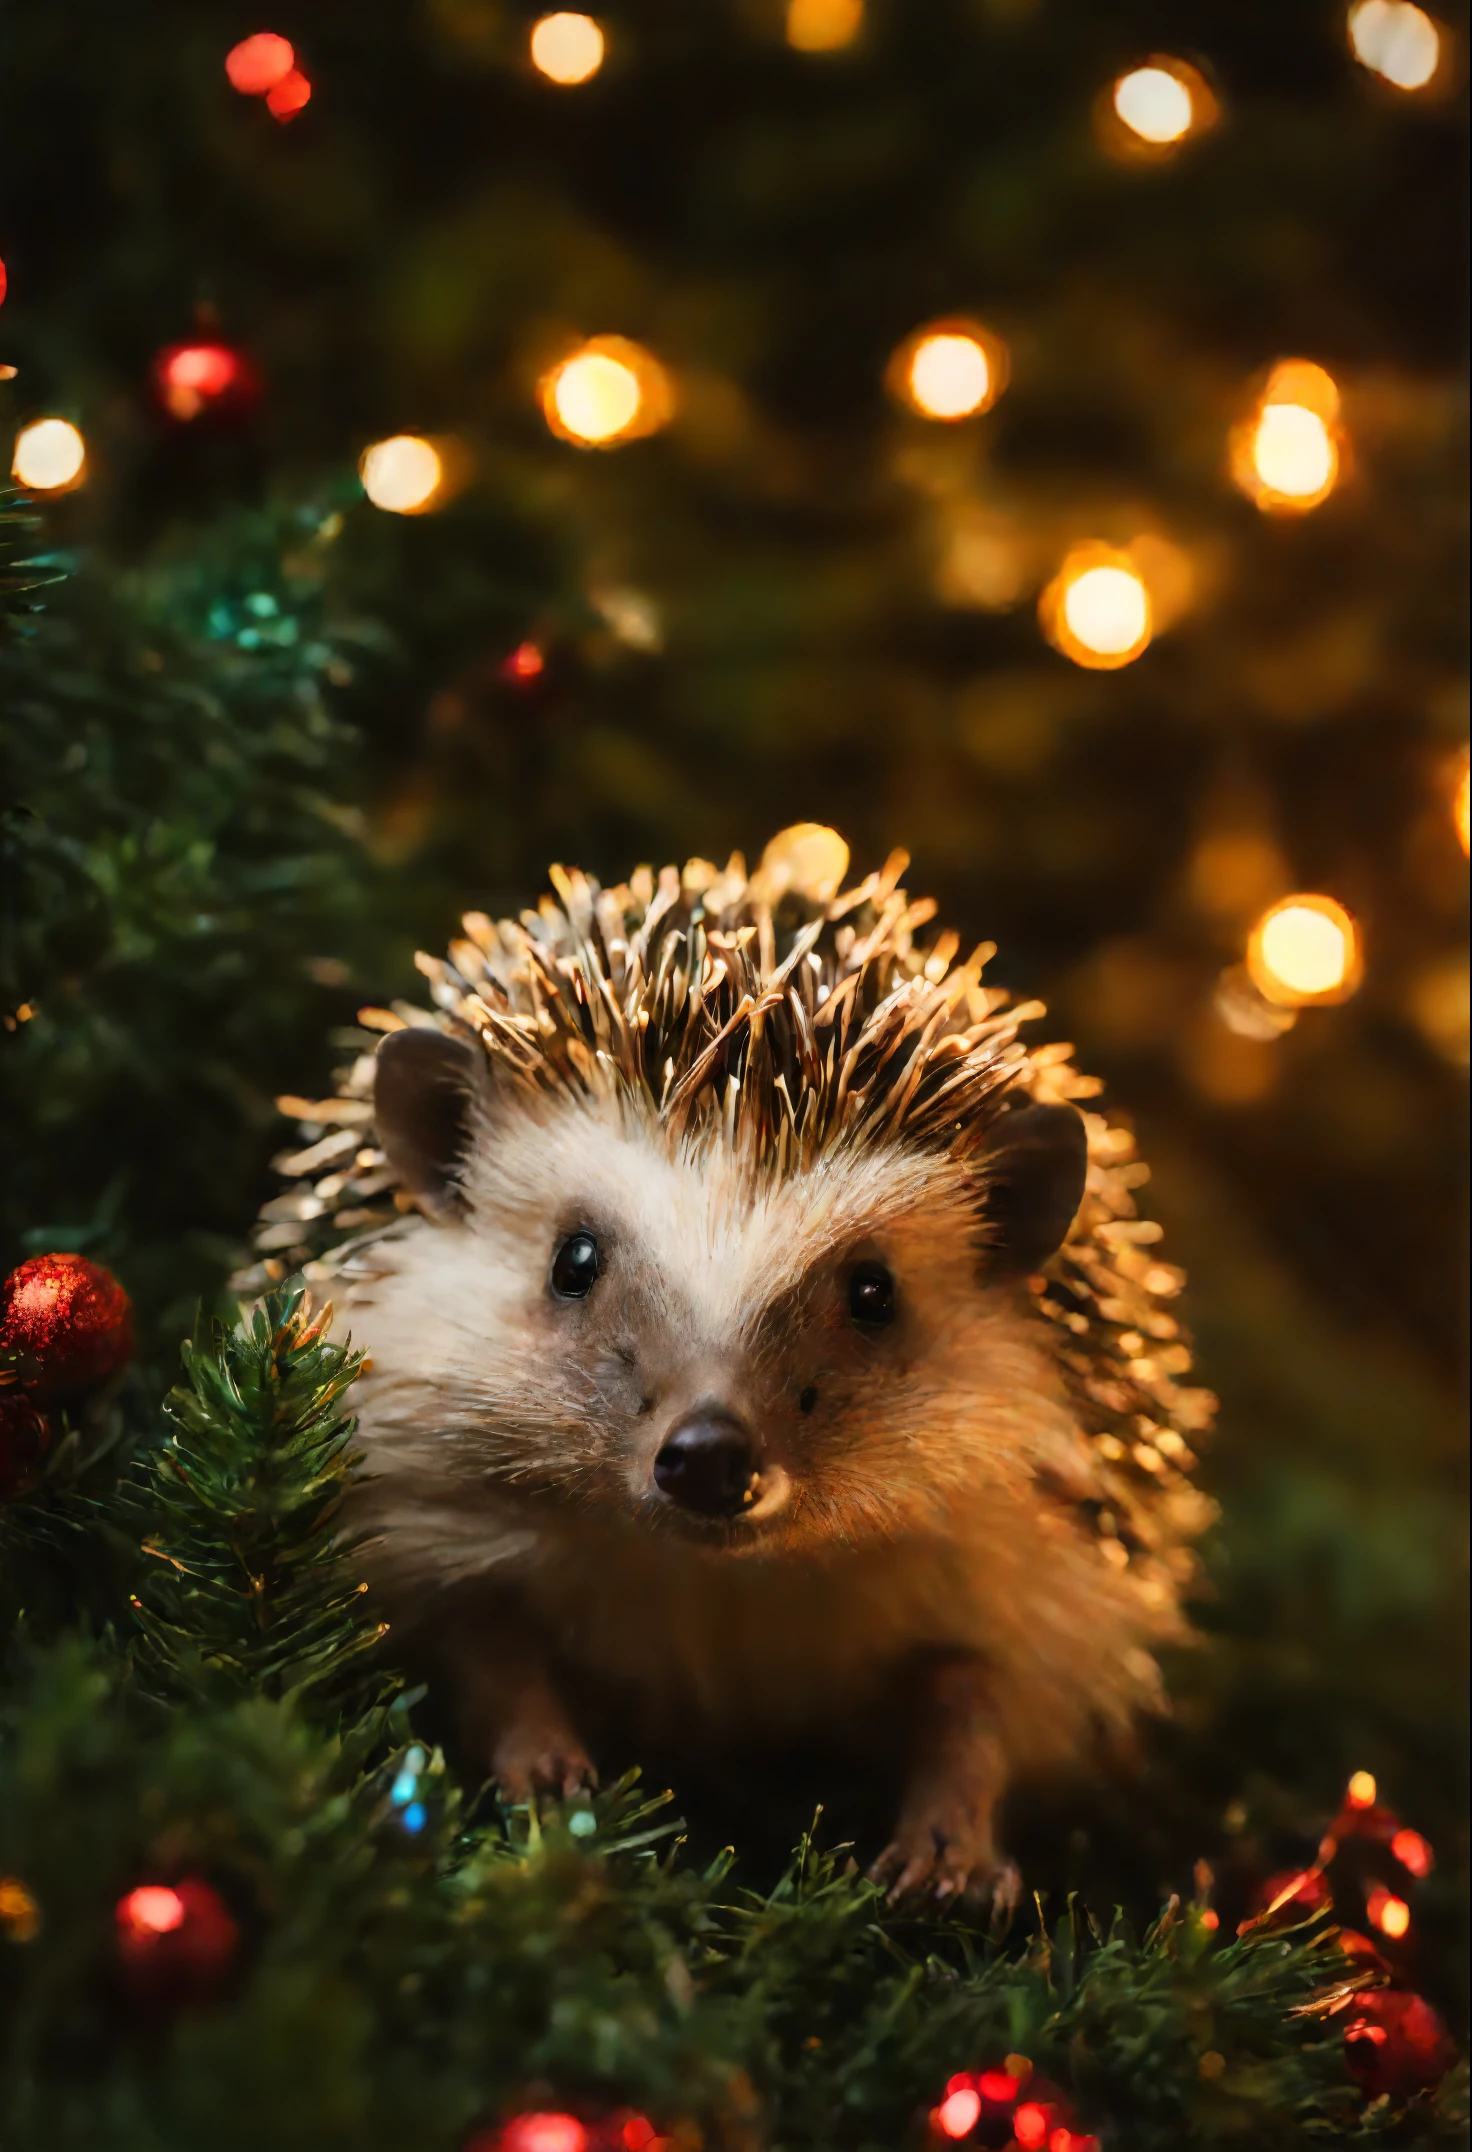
{"x": 974, "y": 1533}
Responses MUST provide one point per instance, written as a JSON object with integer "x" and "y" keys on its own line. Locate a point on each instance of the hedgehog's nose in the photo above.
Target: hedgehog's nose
{"x": 707, "y": 1465}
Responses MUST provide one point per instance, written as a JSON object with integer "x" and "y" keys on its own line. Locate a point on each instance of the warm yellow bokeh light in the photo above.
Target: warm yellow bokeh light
{"x": 1154, "y": 104}
{"x": 1396, "y": 41}
{"x": 1305, "y": 949}
{"x": 567, "y": 48}
{"x": 1097, "y": 608}
{"x": 1362, "y": 1792}
{"x": 402, "y": 475}
{"x": 949, "y": 370}
{"x": 1287, "y": 455}
{"x": 610, "y": 391}
{"x": 823, "y": 25}
{"x": 1293, "y": 453}
{"x": 50, "y": 455}
{"x": 1462, "y": 806}
{"x": 949, "y": 376}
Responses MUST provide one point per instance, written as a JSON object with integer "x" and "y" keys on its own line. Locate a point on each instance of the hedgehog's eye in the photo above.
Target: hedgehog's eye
{"x": 871, "y": 1296}
{"x": 575, "y": 1267}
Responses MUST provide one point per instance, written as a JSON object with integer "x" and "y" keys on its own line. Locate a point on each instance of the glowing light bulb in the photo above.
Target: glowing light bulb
{"x": 567, "y": 48}
{"x": 1362, "y": 1791}
{"x": 402, "y": 474}
{"x": 1286, "y": 456}
{"x": 289, "y": 96}
{"x": 152, "y": 1909}
{"x": 958, "y": 2112}
{"x": 1413, "y": 1852}
{"x": 610, "y": 391}
{"x": 258, "y": 63}
{"x": 1305, "y": 949}
{"x": 192, "y": 377}
{"x": 1097, "y": 609}
{"x": 823, "y": 25}
{"x": 1155, "y": 104}
{"x": 949, "y": 370}
{"x": 1391, "y": 1915}
{"x": 50, "y": 455}
{"x": 949, "y": 377}
{"x": 1293, "y": 453}
{"x": 543, "y": 2133}
{"x": 1396, "y": 41}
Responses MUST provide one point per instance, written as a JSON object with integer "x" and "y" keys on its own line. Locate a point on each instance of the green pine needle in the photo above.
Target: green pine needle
{"x": 251, "y": 1591}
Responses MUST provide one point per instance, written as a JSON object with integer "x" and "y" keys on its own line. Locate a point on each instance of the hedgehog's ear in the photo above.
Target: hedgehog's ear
{"x": 423, "y": 1085}
{"x": 1035, "y": 1173}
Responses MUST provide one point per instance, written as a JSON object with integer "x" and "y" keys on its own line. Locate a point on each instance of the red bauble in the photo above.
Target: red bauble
{"x": 176, "y": 1940}
{"x": 24, "y": 1434}
{"x": 1396, "y": 2044}
{"x": 66, "y": 1323}
{"x": 204, "y": 377}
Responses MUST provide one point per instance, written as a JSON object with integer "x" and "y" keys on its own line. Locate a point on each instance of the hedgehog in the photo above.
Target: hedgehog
{"x": 763, "y": 1344}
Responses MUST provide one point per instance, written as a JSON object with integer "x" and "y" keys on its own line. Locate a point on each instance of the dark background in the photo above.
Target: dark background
{"x": 228, "y": 826}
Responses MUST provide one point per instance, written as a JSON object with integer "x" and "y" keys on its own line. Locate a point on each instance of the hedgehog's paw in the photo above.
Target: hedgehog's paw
{"x": 942, "y": 1847}
{"x": 540, "y": 1755}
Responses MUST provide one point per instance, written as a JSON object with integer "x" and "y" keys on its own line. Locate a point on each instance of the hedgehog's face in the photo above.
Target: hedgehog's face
{"x": 754, "y": 1366}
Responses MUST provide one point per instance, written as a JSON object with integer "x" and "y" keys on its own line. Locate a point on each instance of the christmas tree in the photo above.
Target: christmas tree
{"x": 1020, "y": 433}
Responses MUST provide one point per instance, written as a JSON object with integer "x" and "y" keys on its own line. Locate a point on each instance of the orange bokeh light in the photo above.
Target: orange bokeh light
{"x": 543, "y": 2133}
{"x": 152, "y": 1909}
{"x": 567, "y": 48}
{"x": 1305, "y": 950}
{"x": 1030, "y": 2125}
{"x": 1097, "y": 608}
{"x": 1462, "y": 804}
{"x": 951, "y": 369}
{"x": 258, "y": 63}
{"x": 958, "y": 2113}
{"x": 608, "y": 391}
{"x": 1362, "y": 1791}
{"x": 289, "y": 96}
{"x": 1391, "y": 1915}
{"x": 1413, "y": 1852}
{"x": 1287, "y": 454}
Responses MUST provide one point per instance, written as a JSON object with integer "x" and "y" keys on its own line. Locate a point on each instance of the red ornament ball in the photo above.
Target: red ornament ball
{"x": 66, "y": 1323}
{"x": 176, "y": 1940}
{"x": 1395, "y": 2043}
{"x": 24, "y": 1435}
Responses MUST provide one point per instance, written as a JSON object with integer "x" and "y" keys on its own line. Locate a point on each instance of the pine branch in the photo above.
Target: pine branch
{"x": 252, "y": 1592}
{"x": 22, "y": 572}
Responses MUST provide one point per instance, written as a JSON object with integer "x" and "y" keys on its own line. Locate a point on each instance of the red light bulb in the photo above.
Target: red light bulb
{"x": 258, "y": 63}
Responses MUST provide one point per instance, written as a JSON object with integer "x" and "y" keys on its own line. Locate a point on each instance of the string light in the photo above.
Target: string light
{"x": 567, "y": 48}
{"x": 1305, "y": 950}
{"x": 192, "y": 377}
{"x": 402, "y": 474}
{"x": 958, "y": 2113}
{"x": 608, "y": 392}
{"x": 1391, "y": 1915}
{"x": 1286, "y": 456}
{"x": 258, "y": 63}
{"x": 288, "y": 97}
{"x": 1154, "y": 104}
{"x": 1362, "y": 1791}
{"x": 152, "y": 1909}
{"x": 1097, "y": 608}
{"x": 50, "y": 455}
{"x": 949, "y": 370}
{"x": 1396, "y": 41}
{"x": 1413, "y": 1852}
{"x": 823, "y": 25}
{"x": 1149, "y": 111}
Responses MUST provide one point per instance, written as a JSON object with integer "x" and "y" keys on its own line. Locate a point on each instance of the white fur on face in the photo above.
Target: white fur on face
{"x": 511, "y": 1436}
{"x": 719, "y": 1291}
